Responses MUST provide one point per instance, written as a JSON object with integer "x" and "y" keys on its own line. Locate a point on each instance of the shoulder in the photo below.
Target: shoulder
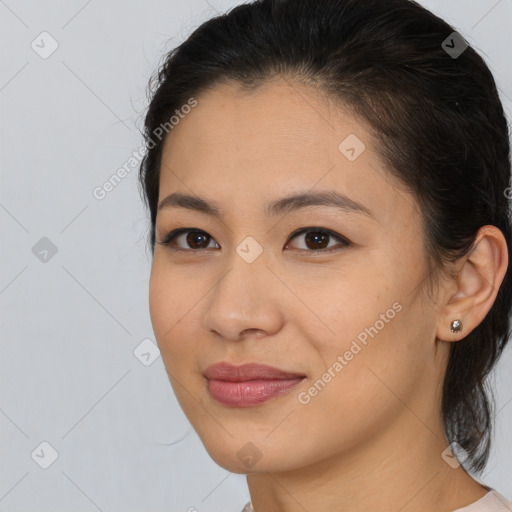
{"x": 493, "y": 501}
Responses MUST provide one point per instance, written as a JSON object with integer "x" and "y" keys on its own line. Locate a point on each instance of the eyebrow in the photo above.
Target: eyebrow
{"x": 280, "y": 206}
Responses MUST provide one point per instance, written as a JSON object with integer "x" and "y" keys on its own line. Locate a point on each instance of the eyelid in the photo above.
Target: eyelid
{"x": 170, "y": 236}
{"x": 345, "y": 242}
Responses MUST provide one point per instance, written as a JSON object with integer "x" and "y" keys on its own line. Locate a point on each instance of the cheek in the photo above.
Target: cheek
{"x": 160, "y": 302}
{"x": 347, "y": 306}
{"x": 361, "y": 385}
{"x": 369, "y": 323}
{"x": 174, "y": 308}
{"x": 167, "y": 304}
{"x": 169, "y": 292}
{"x": 379, "y": 357}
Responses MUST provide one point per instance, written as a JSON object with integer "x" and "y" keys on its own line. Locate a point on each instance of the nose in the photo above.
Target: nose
{"x": 246, "y": 301}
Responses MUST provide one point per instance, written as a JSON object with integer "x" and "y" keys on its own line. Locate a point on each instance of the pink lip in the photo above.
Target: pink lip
{"x": 249, "y": 384}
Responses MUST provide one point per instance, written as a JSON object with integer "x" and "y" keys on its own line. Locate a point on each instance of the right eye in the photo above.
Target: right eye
{"x": 194, "y": 237}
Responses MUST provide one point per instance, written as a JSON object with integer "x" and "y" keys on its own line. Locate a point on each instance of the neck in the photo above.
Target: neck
{"x": 399, "y": 470}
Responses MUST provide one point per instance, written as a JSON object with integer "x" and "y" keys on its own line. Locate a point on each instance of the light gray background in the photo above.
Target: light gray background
{"x": 69, "y": 326}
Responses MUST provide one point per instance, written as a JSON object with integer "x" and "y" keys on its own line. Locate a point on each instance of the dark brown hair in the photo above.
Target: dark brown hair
{"x": 436, "y": 118}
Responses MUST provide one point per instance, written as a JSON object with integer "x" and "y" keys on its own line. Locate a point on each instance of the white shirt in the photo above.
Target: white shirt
{"x": 493, "y": 501}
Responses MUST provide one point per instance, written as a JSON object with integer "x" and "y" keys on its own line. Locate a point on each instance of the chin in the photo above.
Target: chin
{"x": 239, "y": 455}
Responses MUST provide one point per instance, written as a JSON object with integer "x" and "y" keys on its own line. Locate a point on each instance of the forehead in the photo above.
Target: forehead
{"x": 267, "y": 143}
{"x": 279, "y": 115}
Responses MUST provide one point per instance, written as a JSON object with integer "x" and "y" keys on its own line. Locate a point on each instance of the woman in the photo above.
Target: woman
{"x": 331, "y": 244}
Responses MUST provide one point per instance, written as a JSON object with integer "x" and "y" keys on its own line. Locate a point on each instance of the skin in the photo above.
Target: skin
{"x": 372, "y": 438}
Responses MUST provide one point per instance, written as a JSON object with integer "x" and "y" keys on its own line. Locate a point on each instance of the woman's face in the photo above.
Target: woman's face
{"x": 349, "y": 315}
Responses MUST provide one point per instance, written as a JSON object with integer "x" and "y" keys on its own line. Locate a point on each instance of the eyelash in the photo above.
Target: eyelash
{"x": 172, "y": 235}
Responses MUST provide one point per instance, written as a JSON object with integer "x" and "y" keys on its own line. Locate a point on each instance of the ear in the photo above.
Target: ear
{"x": 477, "y": 280}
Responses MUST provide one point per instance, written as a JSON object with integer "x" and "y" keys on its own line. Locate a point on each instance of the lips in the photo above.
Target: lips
{"x": 248, "y": 385}
{"x": 248, "y": 371}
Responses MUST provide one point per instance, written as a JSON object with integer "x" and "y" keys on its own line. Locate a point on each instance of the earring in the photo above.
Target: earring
{"x": 456, "y": 326}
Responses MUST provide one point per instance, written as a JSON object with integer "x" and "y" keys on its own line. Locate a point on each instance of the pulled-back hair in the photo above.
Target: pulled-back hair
{"x": 436, "y": 118}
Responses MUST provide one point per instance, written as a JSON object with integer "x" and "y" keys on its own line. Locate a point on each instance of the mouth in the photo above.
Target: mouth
{"x": 249, "y": 384}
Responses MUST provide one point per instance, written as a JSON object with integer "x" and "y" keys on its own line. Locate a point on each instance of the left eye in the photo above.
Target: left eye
{"x": 317, "y": 238}
{"x": 197, "y": 239}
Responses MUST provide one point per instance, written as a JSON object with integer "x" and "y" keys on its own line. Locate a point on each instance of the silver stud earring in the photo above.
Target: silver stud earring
{"x": 456, "y": 326}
